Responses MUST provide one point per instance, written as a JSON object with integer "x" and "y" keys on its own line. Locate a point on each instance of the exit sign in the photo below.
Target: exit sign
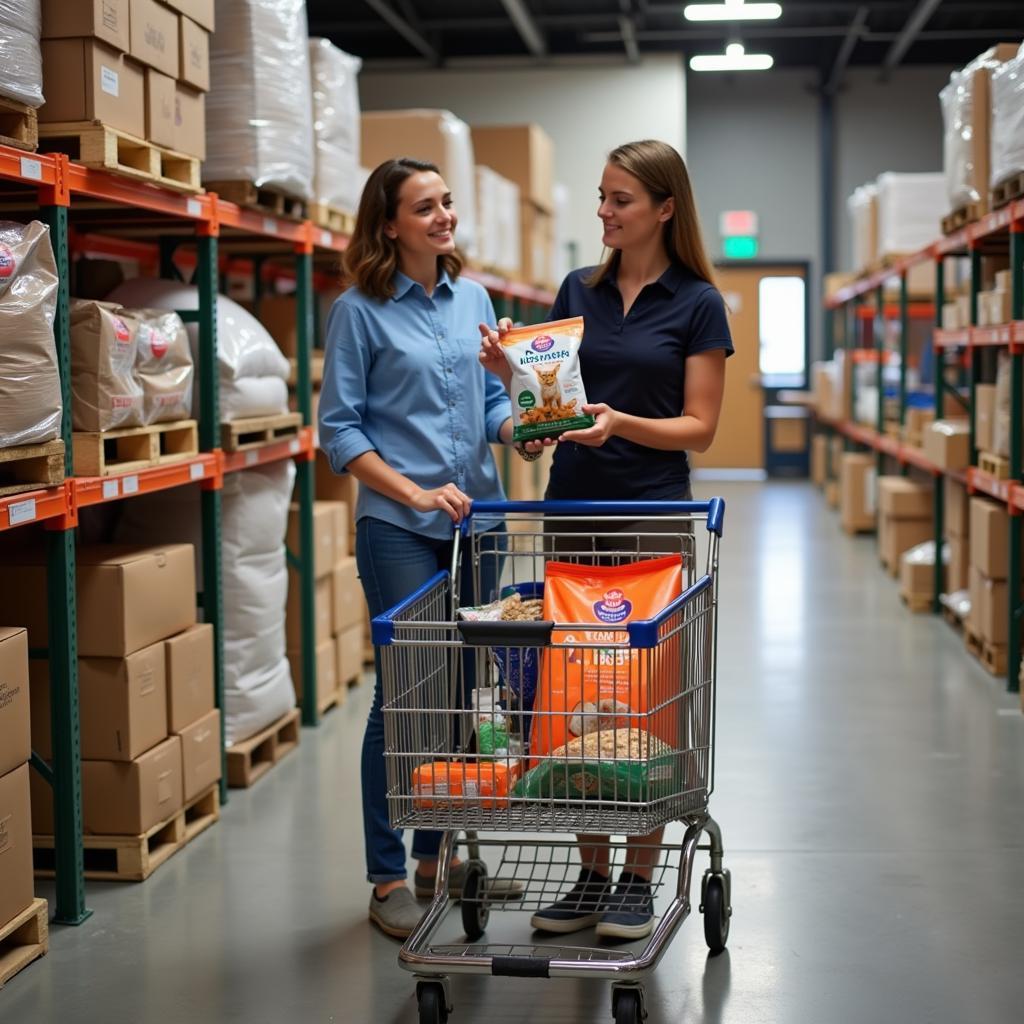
{"x": 739, "y": 247}
{"x": 737, "y": 222}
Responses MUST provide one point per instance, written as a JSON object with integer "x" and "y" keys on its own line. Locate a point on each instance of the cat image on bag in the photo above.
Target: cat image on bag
{"x": 550, "y": 392}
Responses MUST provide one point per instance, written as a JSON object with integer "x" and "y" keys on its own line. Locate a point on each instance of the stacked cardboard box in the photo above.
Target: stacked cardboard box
{"x": 832, "y": 483}
{"x": 858, "y": 492}
{"x": 16, "y": 886}
{"x": 905, "y": 518}
{"x": 947, "y": 443}
{"x": 988, "y": 573}
{"x": 819, "y": 460}
{"x": 956, "y": 531}
{"x": 140, "y": 66}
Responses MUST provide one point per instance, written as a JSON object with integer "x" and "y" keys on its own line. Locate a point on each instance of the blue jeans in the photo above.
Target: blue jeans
{"x": 392, "y": 563}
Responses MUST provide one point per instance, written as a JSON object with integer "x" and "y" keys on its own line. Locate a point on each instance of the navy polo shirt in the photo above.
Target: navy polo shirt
{"x": 637, "y": 365}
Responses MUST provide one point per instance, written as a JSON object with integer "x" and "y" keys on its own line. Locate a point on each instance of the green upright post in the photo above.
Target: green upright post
{"x": 1016, "y": 456}
{"x": 939, "y": 494}
{"x": 62, "y": 627}
{"x": 879, "y": 344}
{"x": 829, "y": 346}
{"x": 904, "y": 345}
{"x": 306, "y": 485}
{"x": 974, "y": 353}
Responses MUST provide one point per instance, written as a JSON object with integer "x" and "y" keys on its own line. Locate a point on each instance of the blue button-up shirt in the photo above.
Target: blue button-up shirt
{"x": 402, "y": 378}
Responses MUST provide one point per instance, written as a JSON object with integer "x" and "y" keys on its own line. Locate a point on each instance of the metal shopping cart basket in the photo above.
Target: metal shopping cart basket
{"x": 470, "y": 723}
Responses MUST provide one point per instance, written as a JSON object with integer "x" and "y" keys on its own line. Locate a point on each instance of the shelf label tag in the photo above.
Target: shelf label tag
{"x": 270, "y": 225}
{"x": 31, "y": 168}
{"x": 194, "y": 207}
{"x": 325, "y": 239}
{"x": 130, "y": 485}
{"x": 111, "y": 489}
{"x": 251, "y": 458}
{"x": 294, "y": 447}
{"x": 195, "y": 471}
{"x": 22, "y": 511}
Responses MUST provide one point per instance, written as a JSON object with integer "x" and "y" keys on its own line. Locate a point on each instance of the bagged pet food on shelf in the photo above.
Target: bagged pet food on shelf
{"x": 163, "y": 365}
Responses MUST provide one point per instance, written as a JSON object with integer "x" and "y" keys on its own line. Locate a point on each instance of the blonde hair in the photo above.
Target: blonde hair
{"x": 662, "y": 172}
{"x": 371, "y": 259}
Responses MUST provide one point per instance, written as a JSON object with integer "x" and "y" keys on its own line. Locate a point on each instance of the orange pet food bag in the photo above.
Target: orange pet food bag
{"x": 585, "y": 689}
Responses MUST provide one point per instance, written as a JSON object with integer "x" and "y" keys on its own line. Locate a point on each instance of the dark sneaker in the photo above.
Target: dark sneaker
{"x": 629, "y": 912}
{"x": 580, "y": 908}
{"x": 503, "y": 889}
{"x": 397, "y": 914}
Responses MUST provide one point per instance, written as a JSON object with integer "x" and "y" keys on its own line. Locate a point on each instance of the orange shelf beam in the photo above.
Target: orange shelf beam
{"x": 34, "y": 506}
{"x": 295, "y": 447}
{"x": 980, "y": 482}
{"x": 951, "y": 339}
{"x": 95, "y": 490}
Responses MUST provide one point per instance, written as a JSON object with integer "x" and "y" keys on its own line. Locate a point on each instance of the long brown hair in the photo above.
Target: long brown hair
{"x": 662, "y": 172}
{"x": 371, "y": 259}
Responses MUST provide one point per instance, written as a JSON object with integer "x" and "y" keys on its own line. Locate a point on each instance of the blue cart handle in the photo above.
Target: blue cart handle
{"x": 713, "y": 509}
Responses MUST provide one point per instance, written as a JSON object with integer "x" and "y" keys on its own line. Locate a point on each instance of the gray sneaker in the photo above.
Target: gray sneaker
{"x": 397, "y": 914}
{"x": 497, "y": 889}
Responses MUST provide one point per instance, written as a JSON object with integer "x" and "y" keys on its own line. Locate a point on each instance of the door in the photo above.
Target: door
{"x": 768, "y": 319}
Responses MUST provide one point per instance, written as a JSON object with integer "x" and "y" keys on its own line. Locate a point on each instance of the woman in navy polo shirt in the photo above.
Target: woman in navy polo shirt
{"x": 653, "y": 361}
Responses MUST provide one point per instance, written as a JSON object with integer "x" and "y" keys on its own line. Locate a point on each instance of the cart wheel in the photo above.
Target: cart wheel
{"x": 432, "y": 1003}
{"x": 716, "y": 915}
{"x": 475, "y": 913}
{"x": 626, "y": 1006}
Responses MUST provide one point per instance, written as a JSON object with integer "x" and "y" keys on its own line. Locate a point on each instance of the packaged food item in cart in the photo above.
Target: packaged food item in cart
{"x": 588, "y": 688}
{"x": 461, "y": 783}
{"x": 547, "y": 386}
{"x": 489, "y": 723}
{"x": 622, "y": 765}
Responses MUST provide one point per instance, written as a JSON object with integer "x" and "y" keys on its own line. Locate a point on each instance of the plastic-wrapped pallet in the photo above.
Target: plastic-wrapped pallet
{"x": 21, "y": 63}
{"x": 862, "y": 209}
{"x": 336, "y": 179}
{"x": 30, "y": 400}
{"x": 910, "y": 207}
{"x": 497, "y": 210}
{"x": 253, "y": 373}
{"x": 1008, "y": 119}
{"x": 259, "y": 111}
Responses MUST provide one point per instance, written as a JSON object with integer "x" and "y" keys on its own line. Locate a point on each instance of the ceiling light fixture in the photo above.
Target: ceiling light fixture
{"x": 734, "y": 59}
{"x": 732, "y": 10}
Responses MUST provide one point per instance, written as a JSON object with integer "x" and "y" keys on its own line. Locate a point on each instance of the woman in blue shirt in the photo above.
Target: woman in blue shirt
{"x": 653, "y": 362}
{"x": 410, "y": 416}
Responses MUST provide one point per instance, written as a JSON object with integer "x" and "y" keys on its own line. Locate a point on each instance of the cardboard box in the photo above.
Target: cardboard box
{"x": 898, "y": 535}
{"x": 990, "y": 608}
{"x": 326, "y": 670}
{"x": 947, "y": 443}
{"x": 832, "y": 494}
{"x": 200, "y": 755}
{"x": 129, "y": 597}
{"x": 536, "y": 263}
{"x": 323, "y": 598}
{"x": 857, "y": 486}
{"x": 160, "y": 120}
{"x": 990, "y": 538}
{"x": 188, "y": 660}
{"x": 15, "y": 718}
{"x": 189, "y": 121}
{"x": 200, "y": 11}
{"x": 917, "y": 578}
{"x": 342, "y": 521}
{"x": 523, "y": 153}
{"x": 324, "y": 520}
{"x": 154, "y": 36}
{"x": 956, "y": 508}
{"x": 917, "y": 420}
{"x": 86, "y": 80}
{"x": 348, "y": 596}
{"x": 350, "y": 647}
{"x": 957, "y": 565}
{"x": 984, "y": 416}
{"x": 16, "y": 879}
{"x": 193, "y": 55}
{"x": 331, "y": 486}
{"x": 902, "y": 498}
{"x": 106, "y": 20}
{"x": 819, "y": 459}
{"x": 279, "y": 314}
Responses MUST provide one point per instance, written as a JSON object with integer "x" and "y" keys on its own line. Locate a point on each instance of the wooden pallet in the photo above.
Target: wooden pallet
{"x": 326, "y": 216}
{"x": 316, "y": 370}
{"x": 962, "y": 216}
{"x": 241, "y": 435}
{"x": 995, "y": 465}
{"x": 28, "y": 467}
{"x": 24, "y": 939}
{"x": 135, "y": 858}
{"x": 1007, "y": 190}
{"x": 98, "y": 145}
{"x": 265, "y": 198}
{"x": 917, "y": 603}
{"x": 991, "y": 656}
{"x": 251, "y": 759}
{"x": 131, "y": 448}
{"x": 952, "y": 618}
{"x": 19, "y": 125}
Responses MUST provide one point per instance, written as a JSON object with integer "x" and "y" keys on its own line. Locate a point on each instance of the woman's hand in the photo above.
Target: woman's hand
{"x": 605, "y": 419}
{"x": 448, "y": 499}
{"x": 491, "y": 356}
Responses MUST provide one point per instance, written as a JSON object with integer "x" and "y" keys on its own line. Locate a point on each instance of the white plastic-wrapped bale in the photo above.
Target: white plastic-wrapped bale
{"x": 253, "y": 373}
{"x": 498, "y": 221}
{"x": 862, "y": 210}
{"x": 910, "y": 207}
{"x": 259, "y": 112}
{"x": 21, "y": 63}
{"x": 1008, "y": 120}
{"x": 336, "y": 180}
{"x": 30, "y": 399}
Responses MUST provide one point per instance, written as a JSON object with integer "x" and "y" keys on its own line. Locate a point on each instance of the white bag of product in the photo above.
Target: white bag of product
{"x": 1008, "y": 119}
{"x": 862, "y": 210}
{"x": 21, "y": 61}
{"x": 163, "y": 365}
{"x": 910, "y": 207}
{"x": 259, "y": 110}
{"x": 497, "y": 209}
{"x": 336, "y": 128}
{"x": 105, "y": 394}
{"x": 253, "y": 373}
{"x": 30, "y": 399}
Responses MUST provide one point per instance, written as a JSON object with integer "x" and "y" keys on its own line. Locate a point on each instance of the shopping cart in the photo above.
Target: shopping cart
{"x": 463, "y": 762}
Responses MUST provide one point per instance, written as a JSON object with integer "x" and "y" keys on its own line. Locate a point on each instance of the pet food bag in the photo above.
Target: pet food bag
{"x": 163, "y": 365}
{"x": 547, "y": 386}
{"x": 589, "y": 689}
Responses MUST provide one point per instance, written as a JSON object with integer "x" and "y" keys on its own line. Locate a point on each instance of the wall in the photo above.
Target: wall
{"x": 587, "y": 110}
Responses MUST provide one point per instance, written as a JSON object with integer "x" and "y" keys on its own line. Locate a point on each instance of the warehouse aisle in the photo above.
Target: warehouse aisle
{"x": 870, "y": 780}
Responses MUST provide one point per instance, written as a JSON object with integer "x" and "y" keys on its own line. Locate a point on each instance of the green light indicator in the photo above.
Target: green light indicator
{"x": 740, "y": 247}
